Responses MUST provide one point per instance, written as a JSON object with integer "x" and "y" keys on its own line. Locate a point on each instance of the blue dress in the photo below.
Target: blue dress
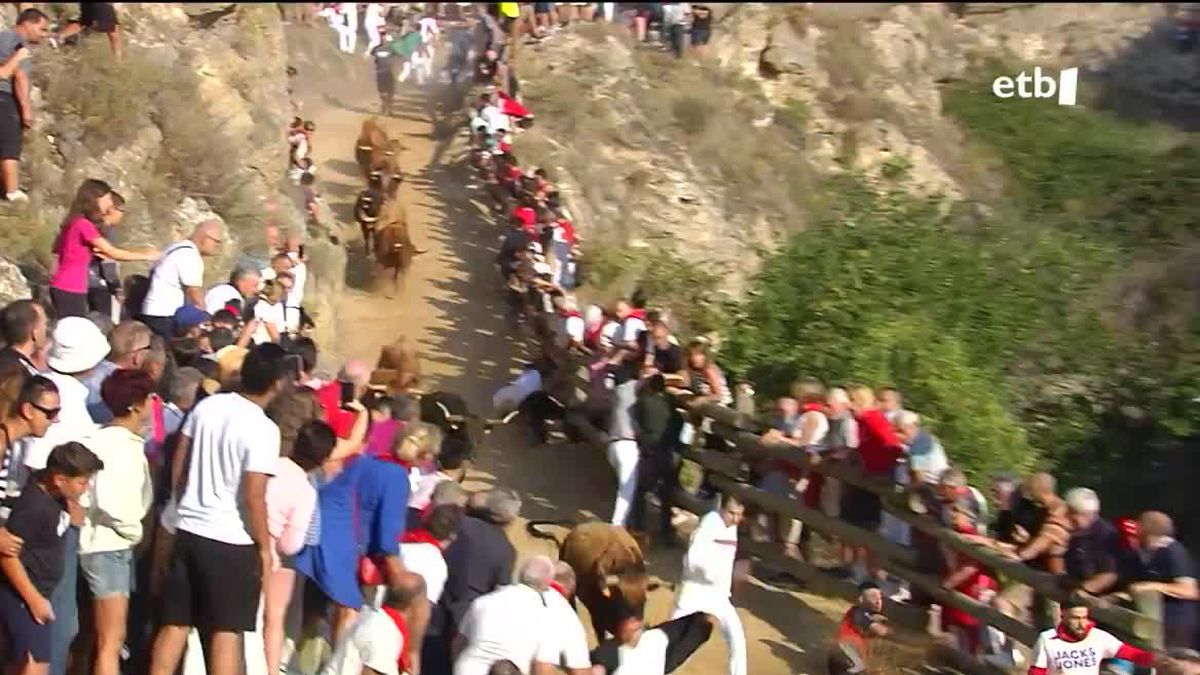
{"x": 362, "y": 512}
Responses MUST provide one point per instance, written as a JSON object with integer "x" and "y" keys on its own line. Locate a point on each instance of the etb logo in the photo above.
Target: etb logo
{"x": 1044, "y": 86}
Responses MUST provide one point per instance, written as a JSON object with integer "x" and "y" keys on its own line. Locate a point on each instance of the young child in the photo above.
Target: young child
{"x": 41, "y": 516}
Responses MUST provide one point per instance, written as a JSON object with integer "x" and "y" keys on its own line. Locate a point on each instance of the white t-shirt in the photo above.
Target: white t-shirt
{"x": 1061, "y": 657}
{"x": 496, "y": 120}
{"x": 373, "y": 641}
{"x": 295, "y": 297}
{"x": 426, "y": 560}
{"x": 573, "y": 329}
{"x": 571, "y": 640}
{"x": 218, "y": 296}
{"x": 181, "y": 265}
{"x": 231, "y": 436}
{"x": 509, "y": 623}
{"x": 269, "y": 314}
{"x": 708, "y": 563}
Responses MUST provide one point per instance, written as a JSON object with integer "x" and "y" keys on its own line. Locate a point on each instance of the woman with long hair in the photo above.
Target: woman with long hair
{"x": 78, "y": 242}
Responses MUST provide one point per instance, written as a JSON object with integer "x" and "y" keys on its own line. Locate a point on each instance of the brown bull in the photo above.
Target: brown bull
{"x": 372, "y": 135}
{"x": 609, "y": 567}
{"x": 399, "y": 367}
{"x": 394, "y": 249}
{"x": 384, "y": 161}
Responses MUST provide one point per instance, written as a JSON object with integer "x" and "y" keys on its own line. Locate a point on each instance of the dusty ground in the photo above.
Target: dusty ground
{"x": 451, "y": 305}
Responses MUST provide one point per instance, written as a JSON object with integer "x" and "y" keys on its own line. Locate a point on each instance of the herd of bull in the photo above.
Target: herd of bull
{"x": 607, "y": 560}
{"x": 378, "y": 210}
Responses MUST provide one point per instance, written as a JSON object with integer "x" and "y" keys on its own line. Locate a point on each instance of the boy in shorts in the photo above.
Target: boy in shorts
{"x": 41, "y": 516}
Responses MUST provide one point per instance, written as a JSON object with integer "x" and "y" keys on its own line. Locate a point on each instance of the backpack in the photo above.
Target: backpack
{"x": 137, "y": 286}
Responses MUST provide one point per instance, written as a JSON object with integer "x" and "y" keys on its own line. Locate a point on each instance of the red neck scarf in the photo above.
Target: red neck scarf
{"x": 401, "y": 625}
{"x": 420, "y": 537}
{"x": 813, "y": 407}
{"x": 392, "y": 459}
{"x": 561, "y": 591}
{"x": 637, "y": 314}
{"x": 568, "y": 313}
{"x": 1065, "y": 636}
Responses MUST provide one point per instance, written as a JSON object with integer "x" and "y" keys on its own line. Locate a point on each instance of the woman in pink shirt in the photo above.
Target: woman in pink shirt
{"x": 78, "y": 241}
{"x": 292, "y": 522}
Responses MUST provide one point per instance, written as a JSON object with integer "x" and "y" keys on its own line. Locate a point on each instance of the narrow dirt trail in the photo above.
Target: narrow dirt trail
{"x": 451, "y": 305}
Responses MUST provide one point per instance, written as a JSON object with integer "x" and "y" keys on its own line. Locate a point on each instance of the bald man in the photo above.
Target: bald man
{"x": 177, "y": 279}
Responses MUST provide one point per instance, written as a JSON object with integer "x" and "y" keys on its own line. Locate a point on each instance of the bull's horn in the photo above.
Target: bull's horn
{"x": 611, "y": 580}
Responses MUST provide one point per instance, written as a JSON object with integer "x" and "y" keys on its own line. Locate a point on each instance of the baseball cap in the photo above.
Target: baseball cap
{"x": 189, "y": 316}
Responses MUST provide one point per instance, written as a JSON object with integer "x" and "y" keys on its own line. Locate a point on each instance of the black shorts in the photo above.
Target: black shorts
{"x": 700, "y": 36}
{"x": 861, "y": 508}
{"x": 25, "y": 636}
{"x": 10, "y": 128}
{"x": 211, "y": 585}
{"x": 542, "y": 7}
{"x": 67, "y": 303}
{"x": 100, "y": 16}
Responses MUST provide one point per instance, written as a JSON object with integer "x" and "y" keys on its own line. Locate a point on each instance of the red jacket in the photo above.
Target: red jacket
{"x": 878, "y": 445}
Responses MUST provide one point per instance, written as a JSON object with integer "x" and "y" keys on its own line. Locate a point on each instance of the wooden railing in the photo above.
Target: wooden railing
{"x": 728, "y": 472}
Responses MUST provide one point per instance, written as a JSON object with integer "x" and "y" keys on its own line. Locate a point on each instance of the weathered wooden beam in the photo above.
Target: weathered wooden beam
{"x": 790, "y": 508}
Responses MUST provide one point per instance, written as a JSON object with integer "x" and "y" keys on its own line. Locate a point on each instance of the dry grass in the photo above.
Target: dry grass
{"x": 111, "y": 100}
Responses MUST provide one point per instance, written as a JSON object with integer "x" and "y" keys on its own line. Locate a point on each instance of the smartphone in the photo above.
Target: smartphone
{"x": 347, "y": 393}
{"x": 295, "y": 363}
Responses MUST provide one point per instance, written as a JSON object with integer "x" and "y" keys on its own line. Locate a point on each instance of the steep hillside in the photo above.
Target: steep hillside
{"x": 189, "y": 124}
{"x": 871, "y": 211}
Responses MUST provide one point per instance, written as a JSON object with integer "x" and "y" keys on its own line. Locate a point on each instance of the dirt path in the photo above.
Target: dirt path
{"x": 451, "y": 305}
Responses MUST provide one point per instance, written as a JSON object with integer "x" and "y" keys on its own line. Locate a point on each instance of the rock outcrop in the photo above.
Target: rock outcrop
{"x": 854, "y": 87}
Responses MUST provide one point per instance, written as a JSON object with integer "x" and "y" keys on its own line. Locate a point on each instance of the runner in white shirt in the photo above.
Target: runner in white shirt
{"x": 421, "y": 548}
{"x": 511, "y": 623}
{"x": 1076, "y": 646}
{"x": 377, "y": 640}
{"x": 657, "y": 651}
{"x": 708, "y": 574}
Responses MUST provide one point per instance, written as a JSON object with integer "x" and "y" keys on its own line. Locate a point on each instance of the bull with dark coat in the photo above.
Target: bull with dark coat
{"x": 449, "y": 412}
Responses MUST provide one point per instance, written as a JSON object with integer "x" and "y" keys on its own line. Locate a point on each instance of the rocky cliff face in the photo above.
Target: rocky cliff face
{"x": 715, "y": 161}
{"x": 189, "y": 125}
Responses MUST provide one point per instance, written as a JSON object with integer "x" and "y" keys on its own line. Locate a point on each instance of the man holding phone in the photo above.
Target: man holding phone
{"x": 335, "y": 396}
{"x": 16, "y": 110}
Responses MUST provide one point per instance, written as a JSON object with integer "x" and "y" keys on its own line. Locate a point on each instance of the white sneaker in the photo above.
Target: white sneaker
{"x": 17, "y": 196}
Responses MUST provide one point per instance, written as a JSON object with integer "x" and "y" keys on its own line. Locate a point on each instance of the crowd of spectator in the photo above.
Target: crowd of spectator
{"x": 638, "y": 368}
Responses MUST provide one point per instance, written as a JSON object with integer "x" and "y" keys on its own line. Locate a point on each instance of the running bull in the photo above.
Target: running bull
{"x": 609, "y": 566}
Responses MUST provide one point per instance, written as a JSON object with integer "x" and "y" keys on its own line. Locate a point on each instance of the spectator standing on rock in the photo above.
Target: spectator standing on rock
{"x": 79, "y": 240}
{"x": 16, "y": 109}
{"x": 97, "y": 16}
{"x": 178, "y": 277}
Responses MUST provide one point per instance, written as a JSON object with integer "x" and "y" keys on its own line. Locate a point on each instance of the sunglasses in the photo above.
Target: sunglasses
{"x": 50, "y": 413}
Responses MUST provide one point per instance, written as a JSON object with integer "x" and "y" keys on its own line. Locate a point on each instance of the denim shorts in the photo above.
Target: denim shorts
{"x": 108, "y": 573}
